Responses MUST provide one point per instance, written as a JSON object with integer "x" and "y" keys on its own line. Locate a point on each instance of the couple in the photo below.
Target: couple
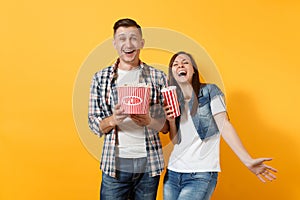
{"x": 132, "y": 158}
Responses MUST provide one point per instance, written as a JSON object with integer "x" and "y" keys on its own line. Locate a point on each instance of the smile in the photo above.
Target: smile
{"x": 182, "y": 73}
{"x": 129, "y": 51}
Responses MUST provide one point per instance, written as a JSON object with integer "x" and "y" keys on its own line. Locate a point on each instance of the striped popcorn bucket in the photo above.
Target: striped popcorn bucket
{"x": 170, "y": 97}
{"x": 134, "y": 99}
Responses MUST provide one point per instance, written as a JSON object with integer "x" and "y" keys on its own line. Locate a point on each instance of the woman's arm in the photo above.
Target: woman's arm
{"x": 171, "y": 125}
{"x": 230, "y": 136}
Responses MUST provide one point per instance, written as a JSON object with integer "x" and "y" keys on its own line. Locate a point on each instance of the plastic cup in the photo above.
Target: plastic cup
{"x": 170, "y": 97}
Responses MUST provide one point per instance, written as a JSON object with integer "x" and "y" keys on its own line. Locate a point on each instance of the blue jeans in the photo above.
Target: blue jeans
{"x": 132, "y": 181}
{"x": 196, "y": 186}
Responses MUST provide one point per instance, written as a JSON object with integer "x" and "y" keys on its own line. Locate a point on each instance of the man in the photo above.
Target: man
{"x": 132, "y": 158}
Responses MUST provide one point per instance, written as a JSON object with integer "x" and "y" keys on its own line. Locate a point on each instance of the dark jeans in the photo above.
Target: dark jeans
{"x": 132, "y": 182}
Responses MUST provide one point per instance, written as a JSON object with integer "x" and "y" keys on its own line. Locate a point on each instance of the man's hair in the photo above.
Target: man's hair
{"x": 126, "y": 23}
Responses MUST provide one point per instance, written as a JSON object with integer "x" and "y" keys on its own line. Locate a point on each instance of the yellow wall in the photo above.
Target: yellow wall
{"x": 255, "y": 46}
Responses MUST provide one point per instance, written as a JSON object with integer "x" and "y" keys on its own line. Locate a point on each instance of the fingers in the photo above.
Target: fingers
{"x": 166, "y": 107}
{"x": 271, "y": 168}
{"x": 261, "y": 179}
{"x": 119, "y": 118}
{"x": 263, "y": 172}
{"x": 264, "y": 159}
{"x": 266, "y": 175}
{"x": 141, "y": 119}
{"x": 139, "y": 116}
{"x": 260, "y": 162}
{"x": 169, "y": 112}
{"x": 270, "y": 176}
{"x": 118, "y": 114}
{"x": 135, "y": 119}
{"x": 118, "y": 106}
{"x": 118, "y": 110}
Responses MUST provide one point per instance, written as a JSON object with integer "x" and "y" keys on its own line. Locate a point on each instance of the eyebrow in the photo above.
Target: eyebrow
{"x": 121, "y": 34}
{"x": 130, "y": 34}
{"x": 181, "y": 60}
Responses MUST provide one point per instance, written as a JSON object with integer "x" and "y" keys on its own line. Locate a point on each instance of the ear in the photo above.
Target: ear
{"x": 142, "y": 43}
{"x": 114, "y": 43}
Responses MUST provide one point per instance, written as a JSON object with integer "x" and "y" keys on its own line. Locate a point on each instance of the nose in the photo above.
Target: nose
{"x": 180, "y": 65}
{"x": 128, "y": 43}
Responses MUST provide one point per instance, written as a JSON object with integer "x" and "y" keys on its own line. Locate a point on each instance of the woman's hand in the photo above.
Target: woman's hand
{"x": 169, "y": 113}
{"x": 261, "y": 170}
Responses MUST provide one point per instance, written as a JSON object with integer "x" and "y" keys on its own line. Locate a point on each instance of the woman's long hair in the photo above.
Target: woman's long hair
{"x": 196, "y": 84}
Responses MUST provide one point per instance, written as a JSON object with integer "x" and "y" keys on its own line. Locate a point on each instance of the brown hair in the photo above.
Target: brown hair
{"x": 126, "y": 22}
{"x": 196, "y": 83}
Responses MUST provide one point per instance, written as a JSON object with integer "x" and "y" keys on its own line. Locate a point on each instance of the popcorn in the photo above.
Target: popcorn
{"x": 134, "y": 98}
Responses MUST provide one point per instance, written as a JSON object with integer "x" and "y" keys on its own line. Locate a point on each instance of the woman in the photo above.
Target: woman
{"x": 193, "y": 166}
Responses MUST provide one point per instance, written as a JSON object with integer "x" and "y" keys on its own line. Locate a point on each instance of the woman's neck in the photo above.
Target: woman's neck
{"x": 187, "y": 90}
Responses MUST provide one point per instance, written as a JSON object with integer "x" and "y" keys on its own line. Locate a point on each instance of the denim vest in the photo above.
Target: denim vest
{"x": 203, "y": 120}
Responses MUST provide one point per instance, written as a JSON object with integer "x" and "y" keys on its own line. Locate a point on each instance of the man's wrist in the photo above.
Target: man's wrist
{"x": 107, "y": 124}
{"x": 112, "y": 122}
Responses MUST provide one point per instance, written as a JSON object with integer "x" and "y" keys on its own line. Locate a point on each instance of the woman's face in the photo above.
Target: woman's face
{"x": 182, "y": 69}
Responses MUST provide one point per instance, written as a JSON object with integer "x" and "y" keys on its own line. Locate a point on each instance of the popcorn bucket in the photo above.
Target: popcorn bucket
{"x": 170, "y": 97}
{"x": 134, "y": 99}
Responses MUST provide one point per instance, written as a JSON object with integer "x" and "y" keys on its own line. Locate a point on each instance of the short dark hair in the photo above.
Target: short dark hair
{"x": 126, "y": 22}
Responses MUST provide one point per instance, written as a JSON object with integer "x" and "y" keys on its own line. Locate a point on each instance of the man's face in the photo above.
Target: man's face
{"x": 128, "y": 42}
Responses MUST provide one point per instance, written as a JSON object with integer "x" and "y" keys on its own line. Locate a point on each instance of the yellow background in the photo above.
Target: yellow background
{"x": 43, "y": 44}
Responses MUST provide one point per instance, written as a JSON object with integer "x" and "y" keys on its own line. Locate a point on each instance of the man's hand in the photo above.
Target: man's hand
{"x": 118, "y": 116}
{"x": 141, "y": 120}
{"x": 107, "y": 124}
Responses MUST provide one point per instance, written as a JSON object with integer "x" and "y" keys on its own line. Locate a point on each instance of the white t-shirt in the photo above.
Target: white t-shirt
{"x": 131, "y": 136}
{"x": 193, "y": 154}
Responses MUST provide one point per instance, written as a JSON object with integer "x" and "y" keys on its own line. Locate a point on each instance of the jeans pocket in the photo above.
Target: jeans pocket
{"x": 201, "y": 176}
{"x": 205, "y": 182}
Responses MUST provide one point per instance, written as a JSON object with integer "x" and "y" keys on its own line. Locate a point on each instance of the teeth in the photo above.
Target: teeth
{"x": 182, "y": 73}
{"x": 129, "y": 51}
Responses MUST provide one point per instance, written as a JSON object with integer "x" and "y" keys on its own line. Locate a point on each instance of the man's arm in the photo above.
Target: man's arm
{"x": 101, "y": 119}
{"x": 109, "y": 123}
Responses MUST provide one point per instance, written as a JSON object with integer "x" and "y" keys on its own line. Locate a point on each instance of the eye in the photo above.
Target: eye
{"x": 186, "y": 63}
{"x": 122, "y": 38}
{"x": 174, "y": 65}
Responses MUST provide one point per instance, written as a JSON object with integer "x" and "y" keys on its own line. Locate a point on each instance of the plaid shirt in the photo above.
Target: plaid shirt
{"x": 103, "y": 98}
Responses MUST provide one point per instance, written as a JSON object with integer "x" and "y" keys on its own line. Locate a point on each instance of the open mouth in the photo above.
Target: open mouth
{"x": 182, "y": 73}
{"x": 129, "y": 51}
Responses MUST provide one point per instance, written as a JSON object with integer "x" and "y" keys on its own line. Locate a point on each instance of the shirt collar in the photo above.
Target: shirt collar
{"x": 115, "y": 68}
{"x": 115, "y": 65}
